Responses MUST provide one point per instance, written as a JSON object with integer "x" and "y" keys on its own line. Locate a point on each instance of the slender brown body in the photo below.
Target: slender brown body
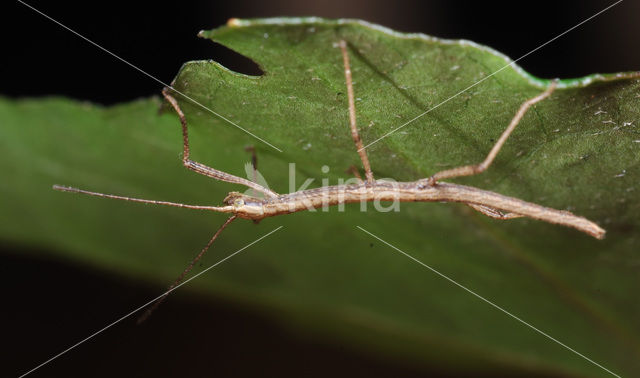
{"x": 429, "y": 189}
{"x": 253, "y": 208}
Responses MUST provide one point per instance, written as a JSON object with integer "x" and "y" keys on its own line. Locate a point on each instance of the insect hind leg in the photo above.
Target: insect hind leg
{"x": 469, "y": 170}
{"x": 493, "y": 212}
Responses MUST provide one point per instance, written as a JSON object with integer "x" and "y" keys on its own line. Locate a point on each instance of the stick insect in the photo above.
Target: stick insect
{"x": 430, "y": 189}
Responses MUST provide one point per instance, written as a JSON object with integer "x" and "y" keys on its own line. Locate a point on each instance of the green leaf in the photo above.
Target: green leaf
{"x": 578, "y": 150}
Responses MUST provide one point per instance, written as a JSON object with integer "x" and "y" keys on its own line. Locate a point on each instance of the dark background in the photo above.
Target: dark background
{"x": 44, "y": 59}
{"x": 41, "y": 58}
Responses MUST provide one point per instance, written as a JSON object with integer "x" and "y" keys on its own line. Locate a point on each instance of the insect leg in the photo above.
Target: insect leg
{"x": 352, "y": 115}
{"x": 469, "y": 170}
{"x": 354, "y": 171}
{"x": 201, "y": 168}
{"x": 493, "y": 212}
{"x": 146, "y": 314}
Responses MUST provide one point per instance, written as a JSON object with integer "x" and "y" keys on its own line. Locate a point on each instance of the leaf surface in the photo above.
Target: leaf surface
{"x": 578, "y": 150}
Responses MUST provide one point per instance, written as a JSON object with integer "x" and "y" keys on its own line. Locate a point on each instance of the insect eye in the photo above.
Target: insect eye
{"x": 238, "y": 202}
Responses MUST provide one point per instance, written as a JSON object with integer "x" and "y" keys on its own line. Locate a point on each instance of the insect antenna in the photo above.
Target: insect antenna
{"x": 193, "y": 262}
{"x": 221, "y": 209}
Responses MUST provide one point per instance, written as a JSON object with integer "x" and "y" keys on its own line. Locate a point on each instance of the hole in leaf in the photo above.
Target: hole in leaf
{"x": 232, "y": 60}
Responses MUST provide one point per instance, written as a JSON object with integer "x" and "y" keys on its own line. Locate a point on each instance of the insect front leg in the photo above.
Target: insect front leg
{"x": 193, "y": 262}
{"x": 201, "y": 168}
